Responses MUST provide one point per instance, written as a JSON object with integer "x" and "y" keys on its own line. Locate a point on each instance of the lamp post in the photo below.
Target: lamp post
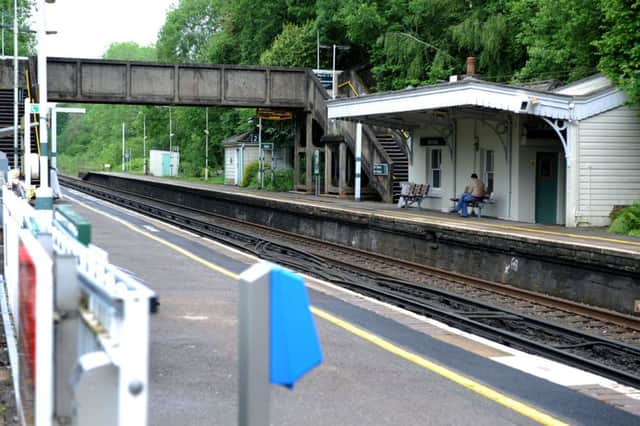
{"x": 15, "y": 83}
{"x": 334, "y": 90}
{"x": 144, "y": 143}
{"x": 206, "y": 145}
{"x": 44, "y": 196}
{"x": 170, "y": 130}
{"x": 123, "y": 146}
{"x": 260, "y": 154}
{"x": 334, "y": 47}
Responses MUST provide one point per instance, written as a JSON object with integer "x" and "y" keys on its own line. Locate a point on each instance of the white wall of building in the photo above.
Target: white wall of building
{"x": 249, "y": 155}
{"x": 526, "y": 180}
{"x": 230, "y": 161}
{"x": 608, "y": 164}
{"x": 460, "y": 158}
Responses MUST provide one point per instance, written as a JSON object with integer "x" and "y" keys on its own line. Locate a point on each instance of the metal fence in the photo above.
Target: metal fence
{"x": 77, "y": 326}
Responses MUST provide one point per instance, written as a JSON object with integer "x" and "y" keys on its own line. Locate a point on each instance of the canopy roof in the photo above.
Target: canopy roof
{"x": 409, "y": 108}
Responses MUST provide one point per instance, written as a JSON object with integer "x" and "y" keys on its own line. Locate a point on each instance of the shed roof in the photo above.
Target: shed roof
{"x": 406, "y": 108}
{"x": 242, "y": 138}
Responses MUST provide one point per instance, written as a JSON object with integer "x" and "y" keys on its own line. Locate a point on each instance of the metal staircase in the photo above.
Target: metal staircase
{"x": 6, "y": 120}
{"x": 390, "y": 141}
{"x": 400, "y": 168}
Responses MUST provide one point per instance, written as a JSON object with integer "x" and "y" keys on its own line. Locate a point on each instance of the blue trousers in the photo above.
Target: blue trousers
{"x": 462, "y": 204}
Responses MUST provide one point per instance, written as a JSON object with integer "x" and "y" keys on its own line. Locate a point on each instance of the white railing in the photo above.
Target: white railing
{"x": 91, "y": 324}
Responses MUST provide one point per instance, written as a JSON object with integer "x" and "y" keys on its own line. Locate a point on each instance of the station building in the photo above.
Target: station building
{"x": 550, "y": 154}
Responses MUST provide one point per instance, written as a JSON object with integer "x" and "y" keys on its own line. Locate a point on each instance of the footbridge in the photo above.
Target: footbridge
{"x": 153, "y": 83}
{"x": 77, "y": 80}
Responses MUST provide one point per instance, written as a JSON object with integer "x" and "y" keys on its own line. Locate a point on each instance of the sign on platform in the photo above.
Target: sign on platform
{"x": 267, "y": 146}
{"x": 274, "y": 114}
{"x": 380, "y": 169}
{"x": 35, "y": 108}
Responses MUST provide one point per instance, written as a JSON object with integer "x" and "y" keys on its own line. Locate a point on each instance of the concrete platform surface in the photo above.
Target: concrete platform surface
{"x": 361, "y": 381}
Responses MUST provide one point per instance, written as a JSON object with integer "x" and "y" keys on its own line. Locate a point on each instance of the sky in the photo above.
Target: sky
{"x": 86, "y": 28}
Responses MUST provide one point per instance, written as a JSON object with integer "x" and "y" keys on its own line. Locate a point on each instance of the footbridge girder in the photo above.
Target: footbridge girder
{"x": 153, "y": 83}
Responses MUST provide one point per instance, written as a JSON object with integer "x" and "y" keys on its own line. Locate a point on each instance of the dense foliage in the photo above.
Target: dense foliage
{"x": 626, "y": 221}
{"x": 403, "y": 42}
{"x": 26, "y": 39}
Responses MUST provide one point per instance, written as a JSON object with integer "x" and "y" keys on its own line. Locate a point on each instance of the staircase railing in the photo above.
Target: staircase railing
{"x": 372, "y": 152}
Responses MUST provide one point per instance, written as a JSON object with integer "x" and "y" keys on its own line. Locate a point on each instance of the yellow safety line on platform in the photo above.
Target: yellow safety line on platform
{"x": 474, "y": 386}
{"x": 180, "y": 250}
{"x": 532, "y": 230}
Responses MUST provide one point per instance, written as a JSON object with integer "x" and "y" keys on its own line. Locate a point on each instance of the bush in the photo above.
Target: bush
{"x": 627, "y": 221}
{"x": 281, "y": 180}
{"x": 250, "y": 174}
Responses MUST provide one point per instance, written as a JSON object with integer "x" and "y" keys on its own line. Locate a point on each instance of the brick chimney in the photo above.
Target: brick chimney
{"x": 471, "y": 66}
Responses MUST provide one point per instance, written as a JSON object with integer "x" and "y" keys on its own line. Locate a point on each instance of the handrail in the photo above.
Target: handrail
{"x": 383, "y": 184}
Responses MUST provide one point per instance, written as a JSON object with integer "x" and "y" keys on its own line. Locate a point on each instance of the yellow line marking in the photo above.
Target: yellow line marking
{"x": 474, "y": 386}
{"x": 522, "y": 228}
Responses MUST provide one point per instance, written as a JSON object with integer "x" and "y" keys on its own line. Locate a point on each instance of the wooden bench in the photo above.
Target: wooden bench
{"x": 476, "y": 203}
{"x": 413, "y": 193}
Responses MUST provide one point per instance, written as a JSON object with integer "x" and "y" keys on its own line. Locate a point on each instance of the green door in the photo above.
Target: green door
{"x": 166, "y": 164}
{"x": 546, "y": 187}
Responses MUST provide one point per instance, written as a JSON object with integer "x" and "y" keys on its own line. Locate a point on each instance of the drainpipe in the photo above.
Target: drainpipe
{"x": 454, "y": 135}
{"x": 358, "y": 159}
{"x": 510, "y": 160}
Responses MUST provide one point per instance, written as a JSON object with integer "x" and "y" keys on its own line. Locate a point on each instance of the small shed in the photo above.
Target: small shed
{"x": 242, "y": 150}
{"x": 164, "y": 163}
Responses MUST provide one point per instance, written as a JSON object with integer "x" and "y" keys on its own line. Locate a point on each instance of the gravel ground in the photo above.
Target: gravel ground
{"x": 7, "y": 400}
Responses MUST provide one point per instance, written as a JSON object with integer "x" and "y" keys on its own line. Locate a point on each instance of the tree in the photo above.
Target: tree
{"x": 188, "y": 30}
{"x": 295, "y": 46}
{"x": 620, "y": 45}
{"x": 559, "y": 37}
{"x": 488, "y": 31}
{"x": 26, "y": 40}
{"x": 130, "y": 51}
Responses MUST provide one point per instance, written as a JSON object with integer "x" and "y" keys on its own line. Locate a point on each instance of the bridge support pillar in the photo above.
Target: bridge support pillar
{"x": 303, "y": 154}
{"x": 309, "y": 152}
{"x": 342, "y": 174}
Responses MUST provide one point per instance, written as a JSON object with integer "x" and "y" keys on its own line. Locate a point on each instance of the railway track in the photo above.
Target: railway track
{"x": 603, "y": 342}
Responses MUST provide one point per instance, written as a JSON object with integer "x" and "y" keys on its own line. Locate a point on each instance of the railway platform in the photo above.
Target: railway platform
{"x": 581, "y": 264}
{"x": 383, "y": 365}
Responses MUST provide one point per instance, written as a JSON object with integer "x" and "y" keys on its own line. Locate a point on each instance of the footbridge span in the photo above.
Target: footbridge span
{"x": 77, "y": 80}
{"x": 140, "y": 83}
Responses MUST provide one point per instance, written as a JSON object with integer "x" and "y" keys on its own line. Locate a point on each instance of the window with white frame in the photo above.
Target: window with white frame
{"x": 435, "y": 169}
{"x": 489, "y": 169}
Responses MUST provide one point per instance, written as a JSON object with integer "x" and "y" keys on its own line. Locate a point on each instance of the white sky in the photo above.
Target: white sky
{"x": 87, "y": 27}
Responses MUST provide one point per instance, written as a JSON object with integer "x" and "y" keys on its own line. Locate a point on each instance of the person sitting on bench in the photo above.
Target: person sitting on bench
{"x": 473, "y": 192}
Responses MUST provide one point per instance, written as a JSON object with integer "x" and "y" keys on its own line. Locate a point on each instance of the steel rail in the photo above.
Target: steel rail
{"x": 468, "y": 322}
{"x": 622, "y": 320}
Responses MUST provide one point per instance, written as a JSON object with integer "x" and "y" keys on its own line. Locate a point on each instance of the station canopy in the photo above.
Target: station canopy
{"x": 412, "y": 107}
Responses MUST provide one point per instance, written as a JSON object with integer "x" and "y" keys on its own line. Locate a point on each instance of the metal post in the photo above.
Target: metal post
{"x": 358, "y": 159}
{"x": 144, "y": 143}
{"x": 254, "y": 338}
{"x": 170, "y": 130}
{"x": 206, "y": 145}
{"x": 2, "y": 34}
{"x": 27, "y": 142}
{"x": 317, "y": 50}
{"x": 54, "y": 136}
{"x": 334, "y": 87}
{"x": 123, "y": 146}
{"x": 170, "y": 144}
{"x": 260, "y": 155}
{"x": 44, "y": 107}
{"x": 15, "y": 84}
